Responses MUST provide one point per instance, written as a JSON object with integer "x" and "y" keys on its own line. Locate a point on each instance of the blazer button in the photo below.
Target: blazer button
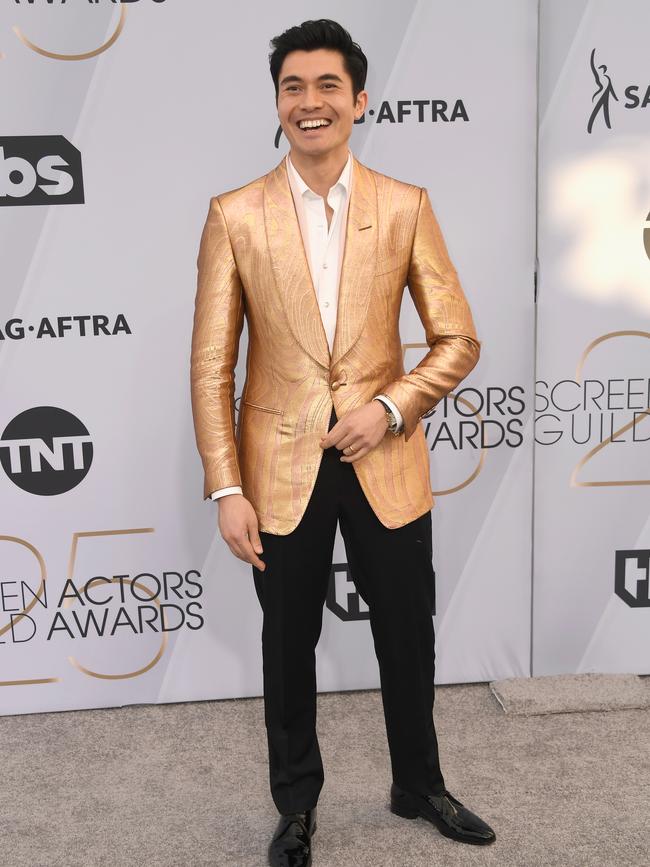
{"x": 334, "y": 385}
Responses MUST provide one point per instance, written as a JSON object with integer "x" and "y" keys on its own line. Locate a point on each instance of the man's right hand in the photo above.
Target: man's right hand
{"x": 239, "y": 529}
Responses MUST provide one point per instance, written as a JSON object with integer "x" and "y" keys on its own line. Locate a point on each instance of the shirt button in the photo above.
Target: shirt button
{"x": 325, "y": 265}
{"x": 326, "y": 304}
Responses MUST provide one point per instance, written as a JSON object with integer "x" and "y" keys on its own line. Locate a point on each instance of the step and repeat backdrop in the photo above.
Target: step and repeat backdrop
{"x": 592, "y": 457}
{"x": 119, "y": 122}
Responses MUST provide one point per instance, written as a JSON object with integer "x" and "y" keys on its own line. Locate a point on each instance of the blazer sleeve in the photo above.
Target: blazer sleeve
{"x": 447, "y": 319}
{"x": 218, "y": 321}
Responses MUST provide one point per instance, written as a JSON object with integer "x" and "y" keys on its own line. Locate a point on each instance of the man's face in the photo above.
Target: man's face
{"x": 314, "y": 86}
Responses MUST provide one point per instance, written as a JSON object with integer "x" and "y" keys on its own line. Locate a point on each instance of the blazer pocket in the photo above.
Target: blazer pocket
{"x": 264, "y": 408}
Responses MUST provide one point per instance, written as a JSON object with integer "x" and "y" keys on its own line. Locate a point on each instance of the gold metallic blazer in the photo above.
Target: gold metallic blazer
{"x": 252, "y": 263}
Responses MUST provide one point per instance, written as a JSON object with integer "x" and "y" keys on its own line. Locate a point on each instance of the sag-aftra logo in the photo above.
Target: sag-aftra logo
{"x": 607, "y": 93}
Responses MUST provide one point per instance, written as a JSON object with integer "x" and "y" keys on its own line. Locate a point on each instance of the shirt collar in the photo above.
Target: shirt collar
{"x": 302, "y": 187}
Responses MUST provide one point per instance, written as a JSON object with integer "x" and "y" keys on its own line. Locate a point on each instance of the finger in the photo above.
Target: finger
{"x": 254, "y": 537}
{"x": 350, "y": 439}
{"x": 351, "y": 450}
{"x": 326, "y": 436}
{"x": 246, "y": 544}
{"x": 243, "y": 550}
{"x": 332, "y": 436}
{"x": 329, "y": 439}
{"x": 353, "y": 444}
{"x": 349, "y": 459}
{"x": 251, "y": 556}
{"x": 236, "y": 550}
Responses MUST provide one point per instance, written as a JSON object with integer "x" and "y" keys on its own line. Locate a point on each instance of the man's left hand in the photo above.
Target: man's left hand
{"x": 359, "y": 431}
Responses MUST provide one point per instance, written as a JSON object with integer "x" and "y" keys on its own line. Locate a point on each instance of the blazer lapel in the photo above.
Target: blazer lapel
{"x": 359, "y": 261}
{"x": 290, "y": 267}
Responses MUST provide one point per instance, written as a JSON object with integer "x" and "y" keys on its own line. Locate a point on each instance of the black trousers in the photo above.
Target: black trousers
{"x": 393, "y": 573}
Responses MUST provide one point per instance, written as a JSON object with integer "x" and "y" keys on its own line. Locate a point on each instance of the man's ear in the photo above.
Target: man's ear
{"x": 361, "y": 103}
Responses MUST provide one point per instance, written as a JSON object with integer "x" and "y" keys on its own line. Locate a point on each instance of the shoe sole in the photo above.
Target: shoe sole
{"x": 413, "y": 813}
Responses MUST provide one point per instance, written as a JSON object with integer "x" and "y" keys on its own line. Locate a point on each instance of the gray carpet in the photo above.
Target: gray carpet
{"x": 186, "y": 785}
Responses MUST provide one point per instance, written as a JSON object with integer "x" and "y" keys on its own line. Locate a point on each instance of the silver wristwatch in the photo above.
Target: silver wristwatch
{"x": 392, "y": 421}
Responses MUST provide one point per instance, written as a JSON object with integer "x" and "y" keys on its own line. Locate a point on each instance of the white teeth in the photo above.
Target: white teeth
{"x": 313, "y": 124}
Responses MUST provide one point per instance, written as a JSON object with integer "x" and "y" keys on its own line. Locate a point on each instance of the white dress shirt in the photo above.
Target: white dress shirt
{"x": 324, "y": 247}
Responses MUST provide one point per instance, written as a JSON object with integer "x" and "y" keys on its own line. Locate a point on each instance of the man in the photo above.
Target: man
{"x": 316, "y": 255}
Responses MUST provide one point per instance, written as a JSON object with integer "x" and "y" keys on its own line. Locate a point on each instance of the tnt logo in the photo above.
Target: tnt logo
{"x": 343, "y": 597}
{"x": 40, "y": 170}
{"x": 46, "y": 450}
{"x": 632, "y": 578}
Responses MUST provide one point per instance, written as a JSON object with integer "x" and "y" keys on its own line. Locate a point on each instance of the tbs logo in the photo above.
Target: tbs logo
{"x": 40, "y": 170}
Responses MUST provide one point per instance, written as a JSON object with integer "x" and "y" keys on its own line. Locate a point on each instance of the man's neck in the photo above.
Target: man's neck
{"x": 320, "y": 172}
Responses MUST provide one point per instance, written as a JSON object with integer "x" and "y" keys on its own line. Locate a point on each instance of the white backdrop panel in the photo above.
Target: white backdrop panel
{"x": 592, "y": 523}
{"x": 178, "y": 108}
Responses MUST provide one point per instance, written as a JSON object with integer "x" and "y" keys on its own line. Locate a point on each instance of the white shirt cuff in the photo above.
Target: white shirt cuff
{"x": 389, "y": 403}
{"x": 233, "y": 489}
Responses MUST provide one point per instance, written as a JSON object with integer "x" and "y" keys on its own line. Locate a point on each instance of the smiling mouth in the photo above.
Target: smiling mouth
{"x": 316, "y": 123}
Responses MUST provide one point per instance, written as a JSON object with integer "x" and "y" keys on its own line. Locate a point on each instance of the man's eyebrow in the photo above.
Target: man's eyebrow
{"x": 327, "y": 76}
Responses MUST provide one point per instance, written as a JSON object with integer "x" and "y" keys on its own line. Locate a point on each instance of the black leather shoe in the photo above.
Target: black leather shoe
{"x": 447, "y": 813}
{"x": 291, "y": 843}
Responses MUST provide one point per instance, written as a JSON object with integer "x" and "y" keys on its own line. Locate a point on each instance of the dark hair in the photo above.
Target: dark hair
{"x": 323, "y": 33}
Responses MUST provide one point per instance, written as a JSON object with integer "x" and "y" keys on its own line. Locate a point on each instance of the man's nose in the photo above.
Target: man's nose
{"x": 311, "y": 98}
